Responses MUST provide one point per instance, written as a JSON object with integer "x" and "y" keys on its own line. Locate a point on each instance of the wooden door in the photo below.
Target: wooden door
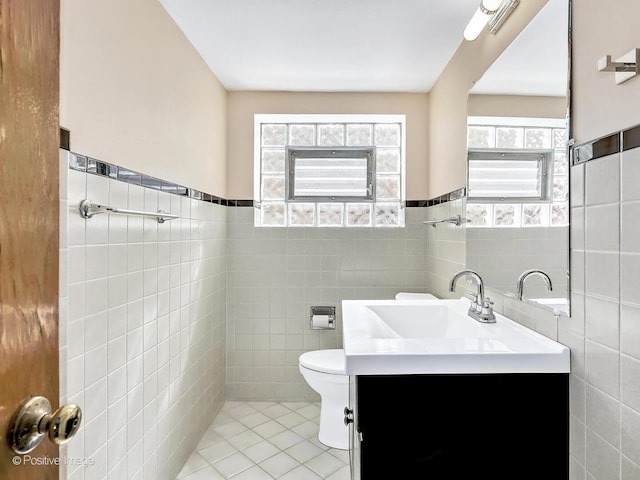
{"x": 29, "y": 213}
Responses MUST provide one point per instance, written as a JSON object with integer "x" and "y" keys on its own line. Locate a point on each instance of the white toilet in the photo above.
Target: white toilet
{"x": 324, "y": 371}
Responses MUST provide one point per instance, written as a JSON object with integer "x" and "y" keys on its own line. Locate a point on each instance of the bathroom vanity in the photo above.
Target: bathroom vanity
{"x": 436, "y": 395}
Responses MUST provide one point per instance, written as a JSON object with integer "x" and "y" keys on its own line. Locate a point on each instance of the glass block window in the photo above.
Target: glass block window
{"x": 329, "y": 170}
{"x": 529, "y": 192}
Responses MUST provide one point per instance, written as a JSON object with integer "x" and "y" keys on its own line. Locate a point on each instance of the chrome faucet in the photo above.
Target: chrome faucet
{"x": 526, "y": 274}
{"x": 480, "y": 308}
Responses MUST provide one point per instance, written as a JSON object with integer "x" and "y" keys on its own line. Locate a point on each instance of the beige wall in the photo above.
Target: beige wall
{"x": 243, "y": 105}
{"x": 599, "y": 105}
{"x": 448, "y": 99}
{"x": 134, "y": 92}
{"x": 517, "y": 106}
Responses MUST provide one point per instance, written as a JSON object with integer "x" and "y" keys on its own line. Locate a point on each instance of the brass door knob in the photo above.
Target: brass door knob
{"x": 34, "y": 419}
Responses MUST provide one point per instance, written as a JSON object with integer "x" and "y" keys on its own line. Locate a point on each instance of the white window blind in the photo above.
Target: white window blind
{"x": 330, "y": 174}
{"x": 502, "y": 176}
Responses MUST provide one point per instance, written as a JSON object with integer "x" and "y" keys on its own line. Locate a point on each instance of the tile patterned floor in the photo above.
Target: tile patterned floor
{"x": 265, "y": 441}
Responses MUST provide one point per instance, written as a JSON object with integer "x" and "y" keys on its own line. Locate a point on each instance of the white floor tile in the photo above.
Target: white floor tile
{"x": 229, "y": 429}
{"x": 324, "y": 464}
{"x": 286, "y": 439}
{"x": 290, "y": 420}
{"x": 254, "y": 419}
{"x": 304, "y": 451}
{"x": 270, "y": 428}
{"x": 245, "y": 439}
{"x": 265, "y": 441}
{"x": 340, "y": 454}
{"x": 310, "y": 411}
{"x": 254, "y": 473}
{"x": 295, "y": 405}
{"x": 233, "y": 465}
{"x": 276, "y": 410}
{"x": 261, "y": 451}
{"x": 300, "y": 473}
{"x": 261, "y": 405}
{"x": 241, "y": 411}
{"x": 279, "y": 464}
{"x": 343, "y": 474}
{"x": 306, "y": 429}
{"x": 207, "y": 473}
{"x": 217, "y": 451}
{"x": 317, "y": 442}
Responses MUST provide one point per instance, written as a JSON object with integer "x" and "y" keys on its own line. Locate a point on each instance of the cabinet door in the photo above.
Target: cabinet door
{"x": 446, "y": 427}
{"x": 354, "y": 436}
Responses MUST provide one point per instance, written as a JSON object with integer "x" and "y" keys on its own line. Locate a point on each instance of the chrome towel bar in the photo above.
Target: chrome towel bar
{"x": 457, "y": 221}
{"x": 88, "y": 209}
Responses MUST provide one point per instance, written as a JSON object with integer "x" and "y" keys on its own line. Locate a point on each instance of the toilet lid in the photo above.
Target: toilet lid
{"x": 325, "y": 361}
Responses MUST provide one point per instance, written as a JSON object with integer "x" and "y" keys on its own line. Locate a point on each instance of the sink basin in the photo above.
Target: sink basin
{"x": 427, "y": 321}
{"x": 555, "y": 303}
{"x": 384, "y": 337}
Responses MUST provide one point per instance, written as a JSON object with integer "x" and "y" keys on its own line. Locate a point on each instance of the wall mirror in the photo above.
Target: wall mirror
{"x": 517, "y": 169}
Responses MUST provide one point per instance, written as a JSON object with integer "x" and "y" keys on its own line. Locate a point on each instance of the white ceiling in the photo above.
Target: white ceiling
{"x": 536, "y": 63}
{"x": 350, "y": 45}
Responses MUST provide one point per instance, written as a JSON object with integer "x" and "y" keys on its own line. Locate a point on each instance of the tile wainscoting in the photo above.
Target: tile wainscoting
{"x": 604, "y": 331}
{"x": 142, "y": 326}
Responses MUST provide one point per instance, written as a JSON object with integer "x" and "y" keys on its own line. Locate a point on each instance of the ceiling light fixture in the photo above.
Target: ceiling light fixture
{"x": 494, "y": 12}
{"x": 498, "y": 18}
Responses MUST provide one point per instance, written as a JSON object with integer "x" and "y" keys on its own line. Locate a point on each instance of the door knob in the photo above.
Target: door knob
{"x": 348, "y": 416}
{"x": 34, "y": 419}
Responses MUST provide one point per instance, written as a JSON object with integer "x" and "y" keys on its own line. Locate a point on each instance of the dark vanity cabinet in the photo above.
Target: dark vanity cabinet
{"x": 457, "y": 427}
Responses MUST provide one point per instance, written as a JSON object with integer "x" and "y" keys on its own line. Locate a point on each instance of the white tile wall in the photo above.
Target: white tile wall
{"x": 605, "y": 323}
{"x": 142, "y": 327}
{"x": 501, "y": 255}
{"x": 446, "y": 251}
{"x": 276, "y": 274}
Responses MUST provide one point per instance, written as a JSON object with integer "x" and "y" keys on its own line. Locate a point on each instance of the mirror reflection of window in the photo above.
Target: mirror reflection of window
{"x": 520, "y": 104}
{"x": 518, "y": 173}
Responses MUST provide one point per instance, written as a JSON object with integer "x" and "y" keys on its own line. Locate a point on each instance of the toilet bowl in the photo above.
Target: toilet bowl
{"x": 324, "y": 371}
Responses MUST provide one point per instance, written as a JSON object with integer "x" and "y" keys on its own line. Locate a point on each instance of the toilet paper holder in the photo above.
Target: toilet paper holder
{"x": 322, "y": 318}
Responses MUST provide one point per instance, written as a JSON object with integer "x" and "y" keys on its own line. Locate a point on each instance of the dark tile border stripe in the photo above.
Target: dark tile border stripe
{"x": 601, "y": 147}
{"x": 97, "y": 167}
{"x": 65, "y": 139}
{"x": 104, "y": 169}
{"x": 447, "y": 197}
{"x": 596, "y": 149}
{"x": 631, "y": 138}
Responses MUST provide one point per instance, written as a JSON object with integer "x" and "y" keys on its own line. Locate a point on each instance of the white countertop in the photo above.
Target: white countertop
{"x": 395, "y": 337}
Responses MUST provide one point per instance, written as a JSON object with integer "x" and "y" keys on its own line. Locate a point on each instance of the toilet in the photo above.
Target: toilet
{"x": 324, "y": 371}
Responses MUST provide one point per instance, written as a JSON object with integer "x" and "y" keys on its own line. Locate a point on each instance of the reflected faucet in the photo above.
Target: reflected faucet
{"x": 526, "y": 274}
{"x": 480, "y": 308}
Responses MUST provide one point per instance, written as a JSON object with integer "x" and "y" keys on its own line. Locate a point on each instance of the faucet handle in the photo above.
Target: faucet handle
{"x": 486, "y": 306}
{"x": 474, "y": 300}
{"x": 486, "y": 314}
